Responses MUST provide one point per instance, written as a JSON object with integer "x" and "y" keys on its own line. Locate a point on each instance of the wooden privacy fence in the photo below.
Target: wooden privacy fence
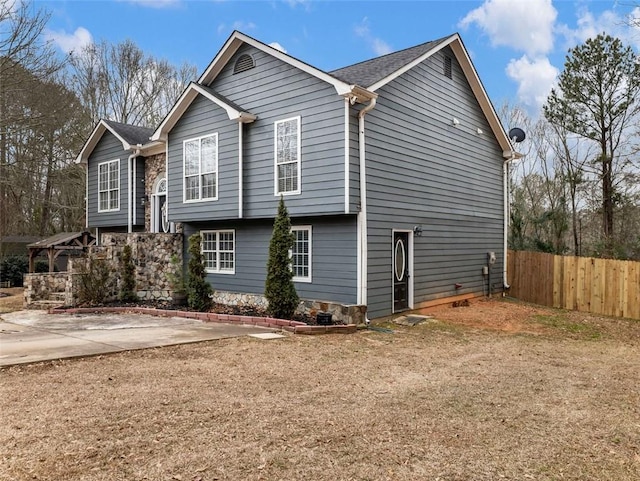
{"x": 599, "y": 286}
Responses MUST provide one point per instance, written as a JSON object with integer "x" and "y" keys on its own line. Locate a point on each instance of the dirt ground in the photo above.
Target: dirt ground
{"x": 497, "y": 390}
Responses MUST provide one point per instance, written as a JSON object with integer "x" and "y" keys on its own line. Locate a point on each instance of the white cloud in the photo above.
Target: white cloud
{"x": 589, "y": 25}
{"x": 70, "y": 42}
{"x": 379, "y": 46}
{"x": 521, "y": 25}
{"x": 277, "y": 46}
{"x": 239, "y": 25}
{"x": 535, "y": 78}
{"x": 295, "y": 3}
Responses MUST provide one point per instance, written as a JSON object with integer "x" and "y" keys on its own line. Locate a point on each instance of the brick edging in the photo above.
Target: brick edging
{"x": 295, "y": 327}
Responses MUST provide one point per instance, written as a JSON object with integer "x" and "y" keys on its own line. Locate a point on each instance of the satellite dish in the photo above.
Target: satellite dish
{"x": 517, "y": 135}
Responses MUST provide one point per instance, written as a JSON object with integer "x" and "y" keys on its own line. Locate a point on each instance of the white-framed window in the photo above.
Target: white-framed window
{"x": 219, "y": 251}
{"x": 201, "y": 168}
{"x": 301, "y": 253}
{"x": 109, "y": 186}
{"x": 287, "y": 156}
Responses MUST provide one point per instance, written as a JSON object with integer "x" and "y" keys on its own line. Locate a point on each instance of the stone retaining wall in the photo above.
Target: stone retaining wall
{"x": 40, "y": 287}
{"x": 151, "y": 254}
{"x": 340, "y": 313}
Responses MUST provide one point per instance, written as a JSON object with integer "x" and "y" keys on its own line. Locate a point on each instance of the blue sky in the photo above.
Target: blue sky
{"x": 517, "y": 46}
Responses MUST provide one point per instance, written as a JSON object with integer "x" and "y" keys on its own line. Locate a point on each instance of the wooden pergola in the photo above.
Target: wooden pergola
{"x": 57, "y": 244}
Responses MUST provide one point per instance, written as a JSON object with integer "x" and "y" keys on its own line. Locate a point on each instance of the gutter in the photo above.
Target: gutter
{"x": 240, "y": 169}
{"x": 130, "y": 161}
{"x": 510, "y": 156}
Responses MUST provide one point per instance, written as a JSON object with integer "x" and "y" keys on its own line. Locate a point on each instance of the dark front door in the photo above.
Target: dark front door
{"x": 400, "y": 271}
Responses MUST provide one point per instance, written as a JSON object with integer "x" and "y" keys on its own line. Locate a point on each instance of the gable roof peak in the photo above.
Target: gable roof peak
{"x": 132, "y": 134}
{"x": 237, "y": 39}
{"x": 370, "y": 72}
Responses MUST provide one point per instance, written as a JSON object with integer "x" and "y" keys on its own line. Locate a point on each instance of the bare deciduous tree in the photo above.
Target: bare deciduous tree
{"x": 121, "y": 83}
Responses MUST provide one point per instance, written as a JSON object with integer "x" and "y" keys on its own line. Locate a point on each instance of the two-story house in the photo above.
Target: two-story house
{"x": 392, "y": 169}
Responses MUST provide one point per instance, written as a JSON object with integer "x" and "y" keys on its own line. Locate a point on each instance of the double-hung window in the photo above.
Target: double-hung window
{"x": 218, "y": 250}
{"x": 201, "y": 168}
{"x": 301, "y": 254}
{"x": 109, "y": 186}
{"x": 287, "y": 156}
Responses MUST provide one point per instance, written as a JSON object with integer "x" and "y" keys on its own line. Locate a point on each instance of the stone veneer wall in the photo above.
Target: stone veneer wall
{"x": 154, "y": 165}
{"x": 341, "y": 313}
{"x": 151, "y": 254}
{"x": 40, "y": 287}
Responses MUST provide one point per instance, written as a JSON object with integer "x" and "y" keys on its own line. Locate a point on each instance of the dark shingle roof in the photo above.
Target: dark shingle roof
{"x": 133, "y": 134}
{"x": 371, "y": 71}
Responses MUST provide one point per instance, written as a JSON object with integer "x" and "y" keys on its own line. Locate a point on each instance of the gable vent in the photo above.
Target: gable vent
{"x": 447, "y": 67}
{"x": 244, "y": 62}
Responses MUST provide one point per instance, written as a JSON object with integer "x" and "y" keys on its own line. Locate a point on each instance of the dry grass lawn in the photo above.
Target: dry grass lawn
{"x": 13, "y": 301}
{"x": 498, "y": 390}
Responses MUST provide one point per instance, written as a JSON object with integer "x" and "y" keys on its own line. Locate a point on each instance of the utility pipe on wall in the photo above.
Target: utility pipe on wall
{"x": 240, "y": 170}
{"x": 132, "y": 157}
{"x": 362, "y": 215}
{"x": 505, "y": 230}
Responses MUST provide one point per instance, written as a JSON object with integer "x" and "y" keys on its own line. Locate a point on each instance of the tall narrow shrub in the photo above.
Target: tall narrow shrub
{"x": 198, "y": 288}
{"x": 279, "y": 288}
{"x": 128, "y": 286}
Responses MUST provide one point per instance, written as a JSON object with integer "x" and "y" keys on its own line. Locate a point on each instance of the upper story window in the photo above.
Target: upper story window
{"x": 287, "y": 156}
{"x": 109, "y": 186}
{"x": 219, "y": 249}
{"x": 201, "y": 168}
{"x": 301, "y": 254}
{"x": 244, "y": 62}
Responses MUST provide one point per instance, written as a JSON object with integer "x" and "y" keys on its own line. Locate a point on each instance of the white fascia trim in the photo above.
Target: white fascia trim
{"x": 462, "y": 56}
{"x": 233, "y": 113}
{"x": 236, "y": 40}
{"x": 151, "y": 148}
{"x": 409, "y": 66}
{"x": 95, "y": 137}
{"x": 181, "y": 105}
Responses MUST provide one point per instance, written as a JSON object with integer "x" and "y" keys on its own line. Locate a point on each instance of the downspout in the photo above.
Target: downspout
{"x": 240, "y": 167}
{"x": 86, "y": 196}
{"x": 505, "y": 230}
{"x": 135, "y": 153}
{"x": 362, "y": 215}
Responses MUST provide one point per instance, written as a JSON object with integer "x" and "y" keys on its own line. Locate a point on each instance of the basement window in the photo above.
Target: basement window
{"x": 245, "y": 62}
{"x": 446, "y": 65}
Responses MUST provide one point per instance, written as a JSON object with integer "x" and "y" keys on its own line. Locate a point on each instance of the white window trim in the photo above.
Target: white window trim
{"x": 275, "y": 157}
{"x": 107, "y": 163}
{"x": 184, "y": 182}
{"x": 217, "y": 251}
{"x": 309, "y": 229}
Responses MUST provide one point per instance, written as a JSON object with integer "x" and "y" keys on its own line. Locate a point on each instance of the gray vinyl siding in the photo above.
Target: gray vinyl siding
{"x": 421, "y": 170}
{"x": 108, "y": 148}
{"x": 334, "y": 261}
{"x": 275, "y": 90}
{"x": 203, "y": 118}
